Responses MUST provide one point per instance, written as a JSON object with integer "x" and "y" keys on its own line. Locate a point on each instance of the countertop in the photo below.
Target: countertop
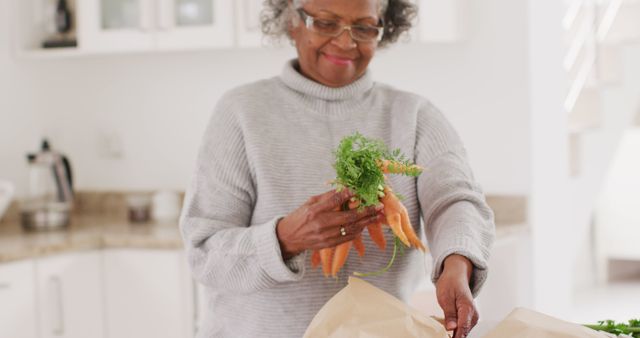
{"x": 86, "y": 232}
{"x": 95, "y": 232}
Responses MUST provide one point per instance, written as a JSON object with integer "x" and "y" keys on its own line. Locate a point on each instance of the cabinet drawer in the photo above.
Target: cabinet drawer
{"x": 17, "y": 300}
{"x": 69, "y": 291}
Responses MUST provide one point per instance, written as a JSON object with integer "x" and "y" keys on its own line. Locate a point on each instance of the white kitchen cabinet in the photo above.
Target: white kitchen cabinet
{"x": 248, "y": 30}
{"x": 17, "y": 300}
{"x": 69, "y": 294}
{"x": 147, "y": 294}
{"x": 115, "y": 25}
{"x": 188, "y": 24}
{"x": 136, "y": 25}
{"x": 509, "y": 284}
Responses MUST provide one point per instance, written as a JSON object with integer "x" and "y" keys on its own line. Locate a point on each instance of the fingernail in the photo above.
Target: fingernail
{"x": 451, "y": 325}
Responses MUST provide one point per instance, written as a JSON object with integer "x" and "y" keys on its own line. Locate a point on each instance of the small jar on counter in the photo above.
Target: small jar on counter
{"x": 139, "y": 208}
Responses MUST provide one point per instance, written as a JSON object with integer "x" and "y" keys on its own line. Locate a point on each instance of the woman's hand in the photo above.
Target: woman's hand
{"x": 454, "y": 296}
{"x": 316, "y": 224}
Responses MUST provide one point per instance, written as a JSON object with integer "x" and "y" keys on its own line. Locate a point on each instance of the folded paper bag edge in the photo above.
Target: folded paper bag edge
{"x": 529, "y": 323}
{"x": 328, "y": 321}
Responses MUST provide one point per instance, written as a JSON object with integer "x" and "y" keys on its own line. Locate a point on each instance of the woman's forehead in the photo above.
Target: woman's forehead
{"x": 354, "y": 9}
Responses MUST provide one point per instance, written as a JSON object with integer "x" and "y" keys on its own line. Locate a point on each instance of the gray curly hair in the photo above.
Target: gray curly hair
{"x": 277, "y": 15}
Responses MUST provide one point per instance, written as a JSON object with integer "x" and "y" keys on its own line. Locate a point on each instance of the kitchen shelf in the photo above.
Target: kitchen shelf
{"x": 440, "y": 21}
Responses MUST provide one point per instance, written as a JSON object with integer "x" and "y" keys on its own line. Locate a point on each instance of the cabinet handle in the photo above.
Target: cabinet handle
{"x": 58, "y": 315}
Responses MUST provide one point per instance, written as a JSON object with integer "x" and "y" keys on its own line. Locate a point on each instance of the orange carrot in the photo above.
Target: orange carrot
{"x": 405, "y": 222}
{"x": 409, "y": 231}
{"x": 342, "y": 250}
{"x": 326, "y": 257}
{"x": 395, "y": 224}
{"x": 377, "y": 236}
{"x": 357, "y": 243}
{"x": 315, "y": 259}
{"x": 393, "y": 215}
{"x": 393, "y": 167}
{"x": 340, "y": 257}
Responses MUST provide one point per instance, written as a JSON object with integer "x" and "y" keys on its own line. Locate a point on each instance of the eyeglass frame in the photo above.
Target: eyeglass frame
{"x": 309, "y": 20}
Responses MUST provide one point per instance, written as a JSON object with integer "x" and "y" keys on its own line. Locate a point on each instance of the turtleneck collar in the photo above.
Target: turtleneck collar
{"x": 298, "y": 82}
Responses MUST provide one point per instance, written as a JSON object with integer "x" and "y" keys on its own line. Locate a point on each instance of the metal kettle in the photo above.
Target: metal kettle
{"x": 49, "y": 198}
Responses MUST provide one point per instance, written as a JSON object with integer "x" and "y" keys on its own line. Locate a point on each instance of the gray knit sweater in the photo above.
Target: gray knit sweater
{"x": 267, "y": 149}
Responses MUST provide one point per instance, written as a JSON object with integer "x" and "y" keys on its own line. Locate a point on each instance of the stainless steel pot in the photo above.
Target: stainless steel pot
{"x": 46, "y": 216}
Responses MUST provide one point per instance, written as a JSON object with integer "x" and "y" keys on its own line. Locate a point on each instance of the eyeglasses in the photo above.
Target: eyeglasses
{"x": 333, "y": 28}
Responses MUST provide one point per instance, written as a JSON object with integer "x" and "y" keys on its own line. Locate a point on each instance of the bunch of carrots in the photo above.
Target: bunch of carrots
{"x": 361, "y": 165}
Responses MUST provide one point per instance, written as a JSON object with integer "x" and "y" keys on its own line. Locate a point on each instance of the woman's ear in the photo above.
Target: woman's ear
{"x": 293, "y": 27}
{"x": 291, "y": 31}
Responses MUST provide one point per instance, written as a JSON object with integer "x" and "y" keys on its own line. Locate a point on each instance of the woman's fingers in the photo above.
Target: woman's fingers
{"x": 337, "y": 218}
{"x": 335, "y": 237}
{"x": 328, "y": 206}
{"x": 466, "y": 315}
{"x": 331, "y": 199}
{"x": 354, "y": 229}
{"x": 455, "y": 298}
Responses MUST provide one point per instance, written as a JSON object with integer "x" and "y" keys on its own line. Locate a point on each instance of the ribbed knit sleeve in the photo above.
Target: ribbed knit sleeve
{"x": 456, "y": 216}
{"x": 224, "y": 250}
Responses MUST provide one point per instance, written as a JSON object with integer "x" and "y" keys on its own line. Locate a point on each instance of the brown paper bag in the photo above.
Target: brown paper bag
{"x": 361, "y": 310}
{"x": 524, "y": 323}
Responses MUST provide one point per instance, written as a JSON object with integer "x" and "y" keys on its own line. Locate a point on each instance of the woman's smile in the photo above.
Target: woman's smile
{"x": 338, "y": 60}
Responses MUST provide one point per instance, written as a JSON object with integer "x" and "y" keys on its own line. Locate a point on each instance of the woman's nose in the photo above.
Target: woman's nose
{"x": 344, "y": 40}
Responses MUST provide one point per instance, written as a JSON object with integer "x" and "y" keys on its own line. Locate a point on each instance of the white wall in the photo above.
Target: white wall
{"x": 618, "y": 214}
{"x": 157, "y": 104}
{"x": 549, "y": 216}
{"x": 19, "y": 115}
{"x": 619, "y": 105}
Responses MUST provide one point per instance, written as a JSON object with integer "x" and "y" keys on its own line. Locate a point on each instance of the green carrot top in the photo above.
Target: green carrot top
{"x": 358, "y": 166}
{"x": 632, "y": 328}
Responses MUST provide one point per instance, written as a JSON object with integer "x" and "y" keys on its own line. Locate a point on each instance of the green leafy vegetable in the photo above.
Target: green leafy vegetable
{"x": 357, "y": 166}
{"x": 631, "y": 328}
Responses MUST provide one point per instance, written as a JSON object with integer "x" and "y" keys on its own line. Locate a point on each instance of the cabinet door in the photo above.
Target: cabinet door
{"x": 509, "y": 282}
{"x": 146, "y": 294}
{"x": 116, "y": 25}
{"x": 249, "y": 32}
{"x": 17, "y": 300}
{"x": 188, "y": 24}
{"x": 69, "y": 290}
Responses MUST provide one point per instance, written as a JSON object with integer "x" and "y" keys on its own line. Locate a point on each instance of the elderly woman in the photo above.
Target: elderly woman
{"x": 258, "y": 202}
